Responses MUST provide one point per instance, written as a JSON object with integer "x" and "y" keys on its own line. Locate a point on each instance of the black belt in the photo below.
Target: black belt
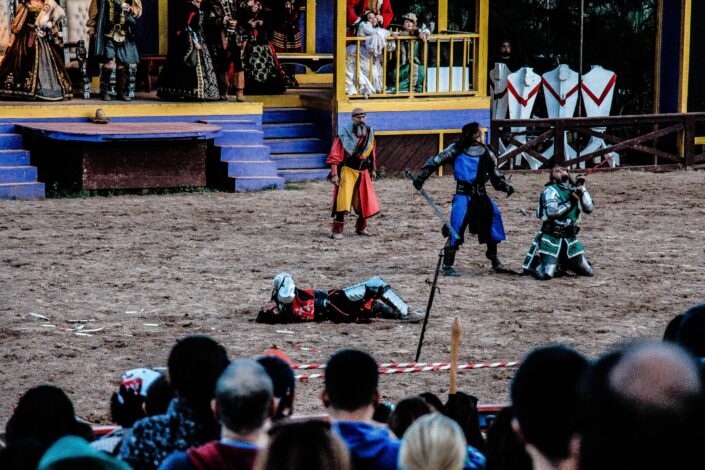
{"x": 468, "y": 189}
{"x": 357, "y": 164}
{"x": 559, "y": 231}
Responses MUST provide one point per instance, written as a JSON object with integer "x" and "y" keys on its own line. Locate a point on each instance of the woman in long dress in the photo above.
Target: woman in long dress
{"x": 263, "y": 74}
{"x": 370, "y": 79}
{"x": 33, "y": 67}
{"x": 407, "y": 55}
{"x": 188, "y": 73}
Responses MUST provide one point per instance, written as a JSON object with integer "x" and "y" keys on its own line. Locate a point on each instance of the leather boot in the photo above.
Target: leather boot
{"x": 121, "y": 83}
{"x": 223, "y": 85}
{"x": 361, "y": 227}
{"x": 337, "y": 230}
{"x": 105, "y": 76}
{"x": 240, "y": 86}
{"x": 449, "y": 261}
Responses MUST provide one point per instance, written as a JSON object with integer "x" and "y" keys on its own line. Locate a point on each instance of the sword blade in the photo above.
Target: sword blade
{"x": 435, "y": 208}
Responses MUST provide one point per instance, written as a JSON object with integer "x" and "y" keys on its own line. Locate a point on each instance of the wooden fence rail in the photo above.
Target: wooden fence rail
{"x": 683, "y": 125}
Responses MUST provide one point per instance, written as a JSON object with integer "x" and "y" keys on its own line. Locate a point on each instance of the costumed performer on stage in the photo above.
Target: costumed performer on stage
{"x": 224, "y": 39}
{"x": 33, "y": 67}
{"x": 111, "y": 27}
{"x": 373, "y": 298}
{"x": 352, "y": 169}
{"x": 188, "y": 72}
{"x": 474, "y": 164}
{"x": 556, "y": 247}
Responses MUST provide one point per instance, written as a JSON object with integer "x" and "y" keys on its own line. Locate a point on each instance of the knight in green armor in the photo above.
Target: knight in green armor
{"x": 556, "y": 247}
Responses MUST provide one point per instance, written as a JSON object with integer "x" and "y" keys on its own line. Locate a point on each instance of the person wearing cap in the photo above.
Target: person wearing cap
{"x": 353, "y": 166}
{"x": 142, "y": 393}
{"x": 474, "y": 164}
{"x": 354, "y": 304}
{"x": 406, "y": 56}
{"x": 195, "y": 363}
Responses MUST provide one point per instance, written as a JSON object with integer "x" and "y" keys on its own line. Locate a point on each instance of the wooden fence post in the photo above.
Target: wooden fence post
{"x": 494, "y": 135}
{"x": 558, "y": 142}
{"x": 689, "y": 140}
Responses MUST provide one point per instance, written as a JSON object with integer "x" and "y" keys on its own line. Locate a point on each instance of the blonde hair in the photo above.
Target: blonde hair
{"x": 433, "y": 442}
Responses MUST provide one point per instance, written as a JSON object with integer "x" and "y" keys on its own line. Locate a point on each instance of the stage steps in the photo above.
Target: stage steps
{"x": 294, "y": 144}
{"x": 239, "y": 159}
{"x": 18, "y": 179}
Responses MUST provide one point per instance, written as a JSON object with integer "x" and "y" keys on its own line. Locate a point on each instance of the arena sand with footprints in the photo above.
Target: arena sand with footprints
{"x": 119, "y": 279}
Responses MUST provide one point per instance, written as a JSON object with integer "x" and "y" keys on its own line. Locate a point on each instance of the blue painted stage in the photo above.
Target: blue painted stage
{"x": 249, "y": 147}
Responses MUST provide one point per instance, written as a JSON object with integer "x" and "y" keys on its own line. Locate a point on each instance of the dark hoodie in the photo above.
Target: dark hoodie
{"x": 371, "y": 447}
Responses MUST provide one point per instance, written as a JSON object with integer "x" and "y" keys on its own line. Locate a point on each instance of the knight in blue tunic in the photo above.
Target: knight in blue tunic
{"x": 474, "y": 164}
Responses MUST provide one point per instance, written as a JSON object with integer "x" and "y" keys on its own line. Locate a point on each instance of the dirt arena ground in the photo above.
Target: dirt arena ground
{"x": 146, "y": 270}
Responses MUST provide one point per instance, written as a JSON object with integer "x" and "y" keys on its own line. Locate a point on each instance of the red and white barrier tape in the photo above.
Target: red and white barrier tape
{"x": 407, "y": 367}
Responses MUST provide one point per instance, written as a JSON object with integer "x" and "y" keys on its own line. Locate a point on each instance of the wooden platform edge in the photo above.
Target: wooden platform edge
{"x": 86, "y": 109}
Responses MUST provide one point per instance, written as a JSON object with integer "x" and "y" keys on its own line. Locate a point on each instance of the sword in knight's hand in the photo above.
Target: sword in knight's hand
{"x": 435, "y": 207}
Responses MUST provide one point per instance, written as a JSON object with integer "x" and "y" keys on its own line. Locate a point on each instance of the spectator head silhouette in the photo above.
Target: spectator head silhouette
{"x": 351, "y": 381}
{"x": 643, "y": 408}
{"x": 284, "y": 383}
{"x": 406, "y": 412}
{"x": 504, "y": 451}
{"x": 671, "y": 332}
{"x": 243, "y": 397}
{"x": 545, "y": 395}
{"x": 434, "y": 402}
{"x": 691, "y": 331}
{"x": 433, "y": 442}
{"x": 43, "y": 413}
{"x": 195, "y": 363}
{"x": 462, "y": 408}
{"x": 310, "y": 445}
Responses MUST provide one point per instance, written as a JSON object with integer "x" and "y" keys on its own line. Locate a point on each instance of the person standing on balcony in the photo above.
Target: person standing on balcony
{"x": 352, "y": 163}
{"x": 407, "y": 55}
{"x": 111, "y": 27}
{"x": 367, "y": 76}
{"x": 474, "y": 164}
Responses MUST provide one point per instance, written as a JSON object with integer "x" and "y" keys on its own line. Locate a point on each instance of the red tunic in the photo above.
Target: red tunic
{"x": 355, "y": 8}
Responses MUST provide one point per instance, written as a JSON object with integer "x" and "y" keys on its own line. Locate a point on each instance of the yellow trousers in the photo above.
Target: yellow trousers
{"x": 347, "y": 191}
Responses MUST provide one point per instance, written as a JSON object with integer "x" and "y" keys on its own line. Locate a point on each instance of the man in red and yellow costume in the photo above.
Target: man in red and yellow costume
{"x": 352, "y": 168}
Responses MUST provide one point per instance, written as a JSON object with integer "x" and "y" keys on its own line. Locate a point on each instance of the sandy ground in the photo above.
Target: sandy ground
{"x": 151, "y": 269}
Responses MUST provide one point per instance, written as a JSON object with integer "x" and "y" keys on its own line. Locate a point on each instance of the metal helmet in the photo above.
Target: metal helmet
{"x": 283, "y": 288}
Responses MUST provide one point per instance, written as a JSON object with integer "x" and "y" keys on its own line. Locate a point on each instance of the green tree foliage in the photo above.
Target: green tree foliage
{"x": 620, "y": 35}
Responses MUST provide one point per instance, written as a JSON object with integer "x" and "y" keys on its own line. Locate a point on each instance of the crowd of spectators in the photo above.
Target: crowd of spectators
{"x": 637, "y": 406}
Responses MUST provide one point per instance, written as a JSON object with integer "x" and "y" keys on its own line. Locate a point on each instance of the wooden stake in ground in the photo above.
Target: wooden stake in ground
{"x": 454, "y": 350}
